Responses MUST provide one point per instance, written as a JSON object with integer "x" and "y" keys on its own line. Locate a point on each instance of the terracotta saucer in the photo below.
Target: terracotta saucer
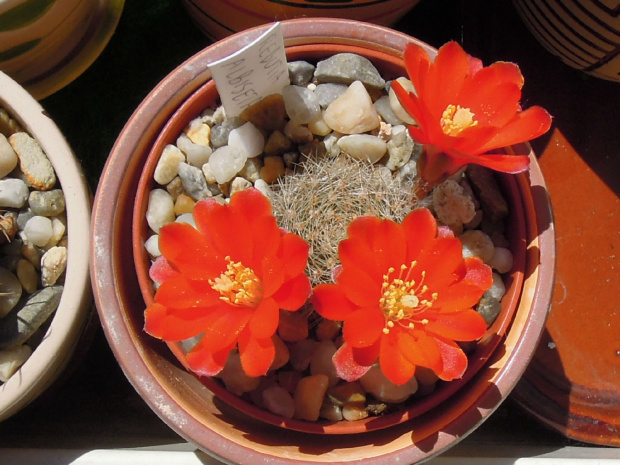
{"x": 573, "y": 382}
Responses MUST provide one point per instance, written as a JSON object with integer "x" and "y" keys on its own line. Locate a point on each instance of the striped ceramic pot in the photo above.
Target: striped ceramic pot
{"x": 45, "y": 44}
{"x": 584, "y": 34}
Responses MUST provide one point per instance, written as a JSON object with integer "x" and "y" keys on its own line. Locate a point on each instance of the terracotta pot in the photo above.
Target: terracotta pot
{"x": 205, "y": 413}
{"x": 72, "y": 323}
{"x": 584, "y": 35}
{"x": 46, "y": 45}
{"x": 220, "y": 19}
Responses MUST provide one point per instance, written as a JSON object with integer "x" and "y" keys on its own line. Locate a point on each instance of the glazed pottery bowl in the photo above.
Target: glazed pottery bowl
{"x": 220, "y": 19}
{"x": 202, "y": 411}
{"x": 584, "y": 35}
{"x": 70, "y": 324}
{"x": 44, "y": 45}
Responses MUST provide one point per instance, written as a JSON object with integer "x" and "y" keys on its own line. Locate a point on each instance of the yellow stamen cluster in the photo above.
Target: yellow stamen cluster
{"x": 401, "y": 298}
{"x": 238, "y": 285}
{"x": 456, "y": 119}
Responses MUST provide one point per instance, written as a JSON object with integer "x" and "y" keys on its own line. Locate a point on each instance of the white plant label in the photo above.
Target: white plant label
{"x": 257, "y": 70}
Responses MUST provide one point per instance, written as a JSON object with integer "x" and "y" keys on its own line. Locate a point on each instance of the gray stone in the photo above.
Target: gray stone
{"x": 220, "y": 132}
{"x": 489, "y": 308}
{"x": 47, "y": 203}
{"x": 348, "y": 67}
{"x": 194, "y": 182}
{"x": 300, "y": 72}
{"x": 13, "y": 193}
{"x": 328, "y": 92}
{"x": 28, "y": 316}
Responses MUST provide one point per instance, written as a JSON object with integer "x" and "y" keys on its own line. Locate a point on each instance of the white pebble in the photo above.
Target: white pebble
{"x": 53, "y": 265}
{"x": 160, "y": 210}
{"x": 502, "y": 260}
{"x": 8, "y": 157}
{"x": 152, "y": 246}
{"x": 13, "y": 193}
{"x": 278, "y": 400}
{"x": 353, "y": 112}
{"x": 168, "y": 165}
{"x": 376, "y": 383}
{"x": 498, "y": 288}
{"x": 302, "y": 104}
{"x": 10, "y": 291}
{"x": 364, "y": 147}
{"x": 263, "y": 187}
{"x": 12, "y": 359}
{"x": 477, "y": 244}
{"x": 247, "y": 138}
{"x": 195, "y": 154}
{"x": 38, "y": 230}
{"x": 226, "y": 162}
{"x": 397, "y": 108}
{"x": 58, "y": 231}
{"x": 187, "y": 218}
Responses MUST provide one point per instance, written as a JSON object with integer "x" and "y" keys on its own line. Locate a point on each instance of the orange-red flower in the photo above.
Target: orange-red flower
{"x": 227, "y": 279}
{"x": 464, "y": 110}
{"x": 405, "y": 296}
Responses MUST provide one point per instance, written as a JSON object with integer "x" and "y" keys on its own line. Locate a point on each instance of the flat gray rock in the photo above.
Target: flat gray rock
{"x": 345, "y": 68}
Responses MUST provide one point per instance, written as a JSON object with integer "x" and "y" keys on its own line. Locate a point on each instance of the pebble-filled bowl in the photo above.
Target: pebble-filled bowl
{"x": 45, "y": 293}
{"x": 206, "y": 416}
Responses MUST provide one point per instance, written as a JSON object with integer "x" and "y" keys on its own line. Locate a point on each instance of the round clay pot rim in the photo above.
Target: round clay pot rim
{"x": 69, "y": 321}
{"x": 110, "y": 220}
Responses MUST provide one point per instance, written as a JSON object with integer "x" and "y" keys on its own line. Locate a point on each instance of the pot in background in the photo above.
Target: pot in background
{"x": 71, "y": 324}
{"x": 44, "y": 45}
{"x": 214, "y": 420}
{"x": 584, "y": 35}
{"x": 220, "y": 19}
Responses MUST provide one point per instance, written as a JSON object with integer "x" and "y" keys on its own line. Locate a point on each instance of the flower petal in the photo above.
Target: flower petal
{"x": 203, "y": 362}
{"x": 176, "y": 324}
{"x": 293, "y": 293}
{"x": 363, "y": 327}
{"x": 453, "y": 358}
{"x": 358, "y": 287}
{"x": 257, "y": 354}
{"x": 393, "y": 363}
{"x": 445, "y": 78}
{"x": 226, "y": 327}
{"x": 346, "y": 366}
{"x": 179, "y": 292}
{"x": 188, "y": 251}
{"x": 420, "y": 229}
{"x": 417, "y": 64}
{"x": 526, "y": 125}
{"x": 293, "y": 252}
{"x": 227, "y": 233}
{"x": 420, "y": 349}
{"x": 466, "y": 325}
{"x": 161, "y": 269}
{"x": 330, "y": 302}
{"x": 264, "y": 320}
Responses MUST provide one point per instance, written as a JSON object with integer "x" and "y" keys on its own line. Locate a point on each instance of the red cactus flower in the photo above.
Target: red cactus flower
{"x": 464, "y": 110}
{"x": 405, "y": 296}
{"x": 227, "y": 278}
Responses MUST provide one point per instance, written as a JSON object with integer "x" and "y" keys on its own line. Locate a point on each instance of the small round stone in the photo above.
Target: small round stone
{"x": 13, "y": 193}
{"x": 168, "y": 165}
{"x": 8, "y": 158}
{"x": 47, "y": 203}
{"x": 226, "y": 162}
{"x": 39, "y": 230}
{"x": 53, "y": 265}
{"x": 160, "y": 210}
{"x": 248, "y": 139}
